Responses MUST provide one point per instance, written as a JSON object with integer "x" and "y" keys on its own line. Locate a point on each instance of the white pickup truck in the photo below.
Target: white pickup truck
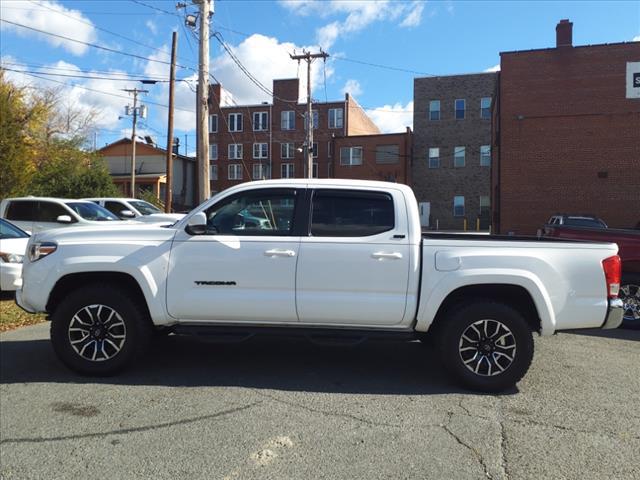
{"x": 333, "y": 260}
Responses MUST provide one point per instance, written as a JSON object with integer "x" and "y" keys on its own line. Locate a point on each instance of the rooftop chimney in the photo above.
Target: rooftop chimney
{"x": 564, "y": 33}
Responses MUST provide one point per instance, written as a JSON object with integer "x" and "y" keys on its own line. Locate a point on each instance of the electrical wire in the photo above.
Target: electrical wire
{"x": 53, "y": 74}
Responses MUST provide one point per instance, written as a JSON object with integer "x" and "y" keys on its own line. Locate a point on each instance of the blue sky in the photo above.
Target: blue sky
{"x": 434, "y": 37}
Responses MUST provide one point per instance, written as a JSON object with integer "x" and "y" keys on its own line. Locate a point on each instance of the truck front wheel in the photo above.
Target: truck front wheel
{"x": 486, "y": 346}
{"x": 98, "y": 330}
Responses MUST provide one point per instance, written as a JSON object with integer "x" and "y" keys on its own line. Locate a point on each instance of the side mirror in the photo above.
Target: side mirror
{"x": 64, "y": 219}
{"x": 197, "y": 224}
{"x": 127, "y": 214}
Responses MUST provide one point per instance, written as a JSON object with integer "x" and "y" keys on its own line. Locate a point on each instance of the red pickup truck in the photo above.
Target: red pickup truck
{"x": 629, "y": 244}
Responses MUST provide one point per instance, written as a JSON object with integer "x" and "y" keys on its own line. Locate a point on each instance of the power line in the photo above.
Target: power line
{"x": 387, "y": 67}
{"x": 79, "y": 70}
{"x": 54, "y": 74}
{"x": 155, "y": 8}
{"x": 86, "y": 12}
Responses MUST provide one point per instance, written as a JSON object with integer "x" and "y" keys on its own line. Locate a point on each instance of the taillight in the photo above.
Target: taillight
{"x": 612, "y": 273}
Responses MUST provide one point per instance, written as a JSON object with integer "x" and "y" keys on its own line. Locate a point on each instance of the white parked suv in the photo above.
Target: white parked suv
{"x": 134, "y": 209}
{"x": 36, "y": 214}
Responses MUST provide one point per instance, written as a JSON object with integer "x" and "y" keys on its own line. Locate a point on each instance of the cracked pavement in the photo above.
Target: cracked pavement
{"x": 286, "y": 409}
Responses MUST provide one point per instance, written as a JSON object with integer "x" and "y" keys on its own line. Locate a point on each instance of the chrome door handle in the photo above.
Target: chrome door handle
{"x": 280, "y": 253}
{"x": 383, "y": 255}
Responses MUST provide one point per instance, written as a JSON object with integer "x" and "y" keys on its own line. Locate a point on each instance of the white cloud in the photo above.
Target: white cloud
{"x": 151, "y": 25}
{"x": 415, "y": 15}
{"x": 267, "y": 59}
{"x": 636, "y": 38}
{"x": 352, "y": 87}
{"x": 359, "y": 15}
{"x": 50, "y": 16}
{"x": 392, "y": 118}
{"x": 495, "y": 68}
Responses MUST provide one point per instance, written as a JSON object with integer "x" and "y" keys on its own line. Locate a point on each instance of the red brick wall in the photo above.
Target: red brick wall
{"x": 569, "y": 140}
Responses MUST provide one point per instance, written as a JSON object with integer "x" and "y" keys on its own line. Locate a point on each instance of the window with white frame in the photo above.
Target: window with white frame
{"x": 460, "y": 105}
{"x": 351, "y": 156}
{"x": 485, "y": 203}
{"x": 314, "y": 170}
{"x": 485, "y": 107}
{"x": 213, "y": 172}
{"x": 260, "y": 171}
{"x": 288, "y": 120}
{"x": 434, "y": 110}
{"x": 234, "y": 151}
{"x": 434, "y": 157}
{"x": 458, "y": 206}
{"x": 235, "y": 122}
{"x": 260, "y": 150}
{"x": 287, "y": 170}
{"x": 316, "y": 121}
{"x": 336, "y": 118}
{"x": 315, "y": 150}
{"x": 213, "y": 151}
{"x": 485, "y": 155}
{"x": 235, "y": 171}
{"x": 213, "y": 123}
{"x": 287, "y": 150}
{"x": 458, "y": 156}
{"x": 260, "y": 121}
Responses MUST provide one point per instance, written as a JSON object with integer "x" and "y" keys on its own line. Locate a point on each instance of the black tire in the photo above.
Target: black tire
{"x": 79, "y": 314}
{"x": 461, "y": 357}
{"x": 630, "y": 295}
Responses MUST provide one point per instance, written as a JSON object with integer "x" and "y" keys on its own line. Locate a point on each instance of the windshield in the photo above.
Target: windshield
{"x": 91, "y": 211}
{"x": 10, "y": 231}
{"x": 145, "y": 208}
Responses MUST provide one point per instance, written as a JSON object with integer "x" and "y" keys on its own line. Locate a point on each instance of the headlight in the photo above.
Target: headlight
{"x": 41, "y": 249}
{"x": 11, "y": 257}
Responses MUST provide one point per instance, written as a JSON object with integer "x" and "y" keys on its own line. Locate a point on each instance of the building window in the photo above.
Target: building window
{"x": 260, "y": 150}
{"x": 213, "y": 123}
{"x": 485, "y": 107}
{"x": 460, "y": 107}
{"x": 485, "y": 155}
{"x": 387, "y": 154}
{"x": 260, "y": 121}
{"x": 336, "y": 116}
{"x": 314, "y": 170}
{"x": 213, "y": 172}
{"x": 260, "y": 171}
{"x": 351, "y": 156}
{"x": 434, "y": 157}
{"x": 458, "y": 156}
{"x": 287, "y": 170}
{"x": 485, "y": 203}
{"x": 315, "y": 150}
{"x": 434, "y": 110}
{"x": 316, "y": 121}
{"x": 213, "y": 151}
{"x": 458, "y": 206}
{"x": 235, "y": 171}
{"x": 288, "y": 120}
{"x": 235, "y": 151}
{"x": 235, "y": 122}
{"x": 286, "y": 151}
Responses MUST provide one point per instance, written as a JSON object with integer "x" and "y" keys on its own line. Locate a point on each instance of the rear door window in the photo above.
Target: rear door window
{"x": 49, "y": 212}
{"x": 342, "y": 213}
{"x": 115, "y": 207}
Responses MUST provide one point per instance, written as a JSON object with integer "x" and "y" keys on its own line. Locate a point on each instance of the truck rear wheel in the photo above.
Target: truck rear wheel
{"x": 486, "y": 346}
{"x": 630, "y": 295}
{"x": 99, "y": 330}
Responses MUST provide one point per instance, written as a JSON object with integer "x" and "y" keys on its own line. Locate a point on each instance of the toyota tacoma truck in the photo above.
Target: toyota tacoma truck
{"x": 331, "y": 260}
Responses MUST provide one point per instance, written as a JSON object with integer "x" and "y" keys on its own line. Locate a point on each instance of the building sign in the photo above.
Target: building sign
{"x": 633, "y": 79}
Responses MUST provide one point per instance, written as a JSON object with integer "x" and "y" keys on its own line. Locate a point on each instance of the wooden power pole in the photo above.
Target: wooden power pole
{"x": 168, "y": 193}
{"x": 204, "y": 187}
{"x": 134, "y": 111}
{"x": 309, "y": 57}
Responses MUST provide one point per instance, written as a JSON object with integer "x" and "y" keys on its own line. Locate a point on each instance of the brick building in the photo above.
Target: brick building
{"x": 252, "y": 142}
{"x": 451, "y": 150}
{"x": 566, "y": 134}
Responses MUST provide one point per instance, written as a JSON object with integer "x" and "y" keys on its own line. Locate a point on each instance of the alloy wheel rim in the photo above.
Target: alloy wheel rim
{"x": 630, "y": 296}
{"x": 487, "y": 347}
{"x": 97, "y": 333}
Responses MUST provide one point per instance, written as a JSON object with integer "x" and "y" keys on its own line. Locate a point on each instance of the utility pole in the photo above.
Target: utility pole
{"x": 206, "y": 11}
{"x": 309, "y": 58}
{"x": 135, "y": 111}
{"x": 168, "y": 193}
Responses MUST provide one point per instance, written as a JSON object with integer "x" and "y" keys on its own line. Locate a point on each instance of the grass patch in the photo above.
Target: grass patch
{"x": 12, "y": 316}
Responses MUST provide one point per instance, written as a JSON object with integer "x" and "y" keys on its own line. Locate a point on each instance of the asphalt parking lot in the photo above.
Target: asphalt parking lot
{"x": 288, "y": 410}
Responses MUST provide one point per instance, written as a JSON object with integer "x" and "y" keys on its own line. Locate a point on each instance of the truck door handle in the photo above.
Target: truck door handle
{"x": 383, "y": 255}
{"x": 280, "y": 253}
